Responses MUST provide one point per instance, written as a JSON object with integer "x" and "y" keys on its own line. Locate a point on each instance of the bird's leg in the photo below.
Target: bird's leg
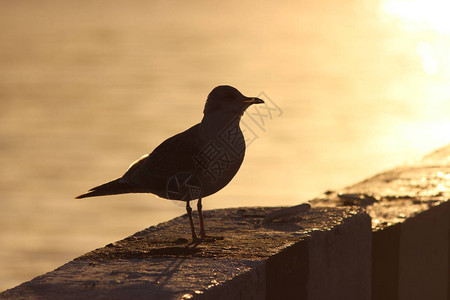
{"x": 203, "y": 235}
{"x": 200, "y": 218}
{"x": 189, "y": 213}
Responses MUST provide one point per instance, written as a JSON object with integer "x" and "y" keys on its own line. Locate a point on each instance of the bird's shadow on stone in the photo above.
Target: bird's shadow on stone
{"x": 174, "y": 251}
{"x": 178, "y": 248}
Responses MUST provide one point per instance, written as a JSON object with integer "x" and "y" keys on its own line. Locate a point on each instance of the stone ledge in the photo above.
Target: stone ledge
{"x": 410, "y": 212}
{"x": 320, "y": 254}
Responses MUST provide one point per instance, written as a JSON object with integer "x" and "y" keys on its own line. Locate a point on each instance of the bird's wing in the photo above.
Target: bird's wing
{"x": 172, "y": 156}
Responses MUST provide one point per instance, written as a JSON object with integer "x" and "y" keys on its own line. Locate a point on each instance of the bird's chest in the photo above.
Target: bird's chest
{"x": 220, "y": 158}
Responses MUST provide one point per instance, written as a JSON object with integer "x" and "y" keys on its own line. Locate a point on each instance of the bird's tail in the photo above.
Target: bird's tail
{"x": 117, "y": 186}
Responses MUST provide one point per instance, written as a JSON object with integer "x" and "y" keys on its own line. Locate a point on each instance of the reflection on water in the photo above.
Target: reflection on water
{"x": 85, "y": 90}
{"x": 419, "y": 15}
{"x": 427, "y": 24}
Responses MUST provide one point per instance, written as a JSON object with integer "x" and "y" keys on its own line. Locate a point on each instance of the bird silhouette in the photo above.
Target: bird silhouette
{"x": 192, "y": 164}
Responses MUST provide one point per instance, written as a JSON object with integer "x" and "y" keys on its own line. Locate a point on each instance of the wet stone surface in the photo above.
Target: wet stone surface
{"x": 396, "y": 195}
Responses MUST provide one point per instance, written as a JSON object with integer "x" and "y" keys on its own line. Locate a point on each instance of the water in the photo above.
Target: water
{"x": 87, "y": 89}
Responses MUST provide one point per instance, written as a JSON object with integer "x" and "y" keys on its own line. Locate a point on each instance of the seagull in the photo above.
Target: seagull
{"x": 195, "y": 163}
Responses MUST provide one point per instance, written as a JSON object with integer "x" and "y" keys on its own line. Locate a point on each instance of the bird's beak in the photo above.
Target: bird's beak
{"x": 252, "y": 100}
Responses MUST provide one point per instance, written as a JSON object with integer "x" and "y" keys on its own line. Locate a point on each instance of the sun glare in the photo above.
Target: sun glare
{"x": 427, "y": 23}
{"x": 430, "y": 20}
{"x": 427, "y": 53}
{"x": 430, "y": 14}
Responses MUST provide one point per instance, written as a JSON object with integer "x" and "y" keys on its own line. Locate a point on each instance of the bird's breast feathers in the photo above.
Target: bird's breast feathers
{"x": 213, "y": 159}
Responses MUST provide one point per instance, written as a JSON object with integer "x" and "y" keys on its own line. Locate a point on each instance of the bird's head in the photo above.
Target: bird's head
{"x": 228, "y": 99}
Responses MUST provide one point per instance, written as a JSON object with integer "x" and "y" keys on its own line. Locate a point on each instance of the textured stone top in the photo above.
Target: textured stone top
{"x": 160, "y": 263}
{"x": 393, "y": 196}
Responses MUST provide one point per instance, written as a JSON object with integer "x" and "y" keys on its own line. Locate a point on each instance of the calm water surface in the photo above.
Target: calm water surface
{"x": 85, "y": 89}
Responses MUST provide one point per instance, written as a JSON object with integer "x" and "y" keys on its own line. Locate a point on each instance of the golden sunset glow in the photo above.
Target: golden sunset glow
{"x": 421, "y": 14}
{"x": 351, "y": 88}
{"x": 428, "y": 19}
{"x": 427, "y": 23}
{"x": 427, "y": 53}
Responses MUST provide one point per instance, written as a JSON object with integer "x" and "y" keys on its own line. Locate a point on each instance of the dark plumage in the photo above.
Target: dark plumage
{"x": 192, "y": 164}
